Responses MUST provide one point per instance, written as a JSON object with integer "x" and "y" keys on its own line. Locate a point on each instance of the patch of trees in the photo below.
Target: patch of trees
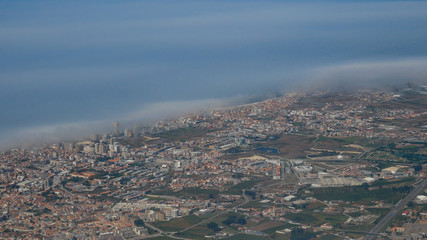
{"x": 238, "y": 175}
{"x": 102, "y": 159}
{"x": 139, "y": 223}
{"x": 213, "y": 226}
{"x": 234, "y": 219}
{"x": 115, "y": 174}
{"x": 300, "y": 234}
{"x": 49, "y": 195}
{"x": 251, "y": 194}
{"x": 234, "y": 150}
{"x": 404, "y": 189}
{"x": 86, "y": 183}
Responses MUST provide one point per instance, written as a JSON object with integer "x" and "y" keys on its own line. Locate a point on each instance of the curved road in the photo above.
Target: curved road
{"x": 219, "y": 214}
{"x": 171, "y": 234}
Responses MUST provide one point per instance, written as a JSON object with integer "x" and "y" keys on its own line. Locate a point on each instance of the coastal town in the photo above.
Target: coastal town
{"x": 324, "y": 164}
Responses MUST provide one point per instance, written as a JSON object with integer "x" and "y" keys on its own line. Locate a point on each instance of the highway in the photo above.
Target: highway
{"x": 219, "y": 214}
{"x": 397, "y": 209}
{"x": 171, "y": 234}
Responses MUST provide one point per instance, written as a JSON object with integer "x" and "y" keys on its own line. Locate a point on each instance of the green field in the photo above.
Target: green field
{"x": 256, "y": 204}
{"x": 358, "y": 194}
{"x": 242, "y": 236}
{"x": 394, "y": 182}
{"x": 316, "y": 218}
{"x": 363, "y": 227}
{"x": 202, "y": 230}
{"x": 386, "y": 156}
{"x": 162, "y": 238}
{"x": 281, "y": 227}
{"x": 345, "y": 140}
{"x": 355, "y": 214}
{"x": 305, "y": 218}
{"x": 332, "y": 219}
{"x": 378, "y": 211}
{"x": 198, "y": 232}
{"x": 237, "y": 189}
{"x": 177, "y": 224}
{"x": 189, "y": 192}
{"x": 183, "y": 134}
{"x": 198, "y": 192}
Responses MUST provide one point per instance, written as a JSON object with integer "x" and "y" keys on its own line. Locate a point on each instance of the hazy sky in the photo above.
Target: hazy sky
{"x": 74, "y": 64}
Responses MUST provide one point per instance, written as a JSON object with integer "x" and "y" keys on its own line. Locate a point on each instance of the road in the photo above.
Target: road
{"x": 219, "y": 214}
{"x": 171, "y": 234}
{"x": 160, "y": 234}
{"x": 395, "y": 210}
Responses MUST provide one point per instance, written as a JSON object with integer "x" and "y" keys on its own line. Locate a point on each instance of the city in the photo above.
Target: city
{"x": 325, "y": 165}
{"x": 239, "y": 120}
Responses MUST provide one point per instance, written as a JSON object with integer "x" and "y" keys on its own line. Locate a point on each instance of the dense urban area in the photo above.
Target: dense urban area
{"x": 323, "y": 165}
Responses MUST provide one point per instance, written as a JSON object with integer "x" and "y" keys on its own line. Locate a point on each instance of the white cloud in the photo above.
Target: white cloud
{"x": 74, "y": 130}
{"x": 368, "y": 74}
{"x": 172, "y": 109}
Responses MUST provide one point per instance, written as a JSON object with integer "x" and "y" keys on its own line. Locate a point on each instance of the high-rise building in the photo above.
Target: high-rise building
{"x": 116, "y": 128}
{"x": 116, "y": 147}
{"x": 97, "y": 148}
{"x": 69, "y": 146}
{"x": 174, "y": 213}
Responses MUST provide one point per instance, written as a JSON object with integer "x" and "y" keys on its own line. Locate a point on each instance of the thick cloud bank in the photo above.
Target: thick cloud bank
{"x": 369, "y": 74}
{"x": 146, "y": 114}
{"x": 80, "y": 62}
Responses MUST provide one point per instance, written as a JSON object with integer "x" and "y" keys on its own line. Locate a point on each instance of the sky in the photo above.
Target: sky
{"x": 69, "y": 68}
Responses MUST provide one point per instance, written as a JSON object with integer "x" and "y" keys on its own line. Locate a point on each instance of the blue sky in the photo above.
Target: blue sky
{"x": 70, "y": 66}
